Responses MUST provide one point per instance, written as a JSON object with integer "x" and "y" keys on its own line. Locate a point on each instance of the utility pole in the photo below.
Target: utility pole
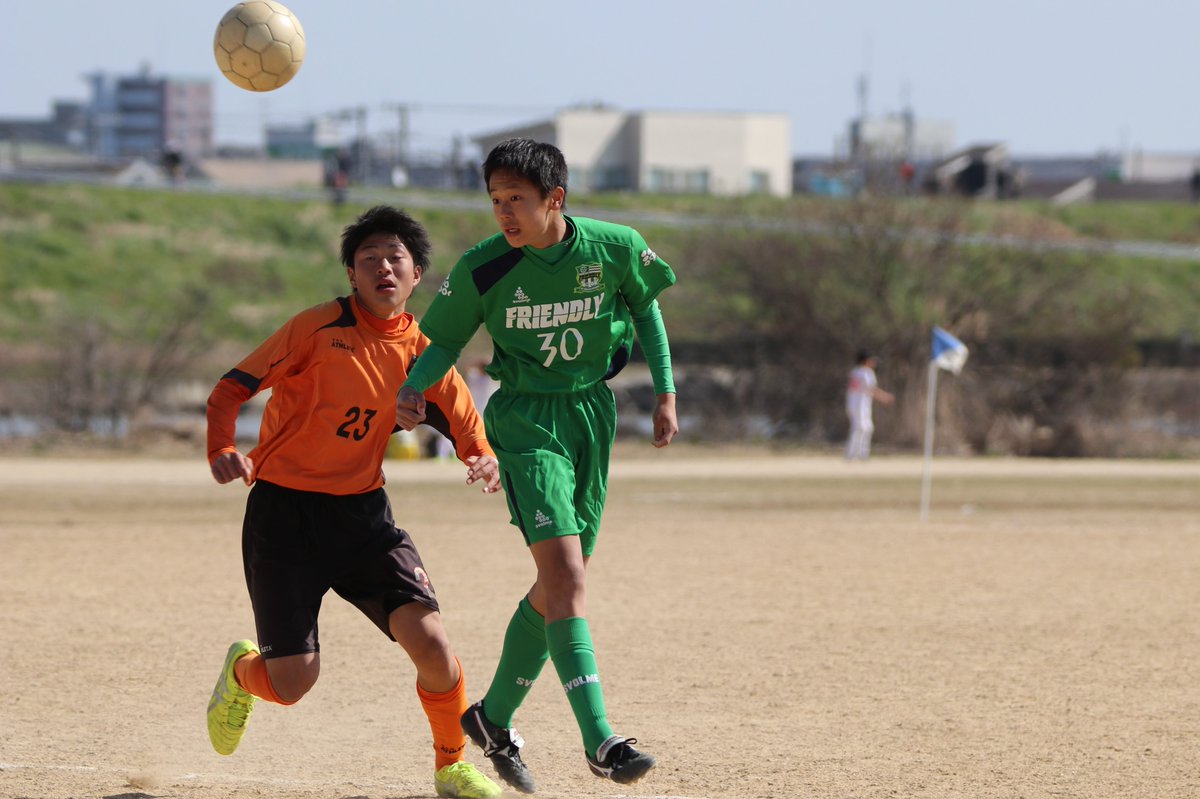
{"x": 402, "y": 151}
{"x": 363, "y": 165}
{"x": 359, "y": 148}
{"x": 402, "y": 133}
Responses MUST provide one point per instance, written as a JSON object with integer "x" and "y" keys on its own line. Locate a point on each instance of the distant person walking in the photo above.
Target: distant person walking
{"x": 862, "y": 390}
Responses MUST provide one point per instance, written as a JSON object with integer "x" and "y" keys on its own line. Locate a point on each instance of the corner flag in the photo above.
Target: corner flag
{"x": 948, "y": 352}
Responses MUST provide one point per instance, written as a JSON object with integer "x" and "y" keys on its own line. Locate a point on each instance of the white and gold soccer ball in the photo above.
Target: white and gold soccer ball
{"x": 259, "y": 45}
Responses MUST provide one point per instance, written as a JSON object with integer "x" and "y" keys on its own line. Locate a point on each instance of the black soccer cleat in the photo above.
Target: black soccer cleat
{"x": 618, "y": 761}
{"x": 501, "y": 746}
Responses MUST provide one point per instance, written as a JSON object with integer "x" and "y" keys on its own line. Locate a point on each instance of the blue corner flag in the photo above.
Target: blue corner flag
{"x": 948, "y": 352}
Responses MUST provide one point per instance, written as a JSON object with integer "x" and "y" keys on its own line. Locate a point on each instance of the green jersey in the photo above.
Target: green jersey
{"x": 555, "y": 326}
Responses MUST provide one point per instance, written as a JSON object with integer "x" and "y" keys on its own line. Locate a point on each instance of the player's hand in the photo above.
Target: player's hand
{"x": 666, "y": 425}
{"x": 486, "y": 469}
{"x": 410, "y": 408}
{"x": 231, "y": 465}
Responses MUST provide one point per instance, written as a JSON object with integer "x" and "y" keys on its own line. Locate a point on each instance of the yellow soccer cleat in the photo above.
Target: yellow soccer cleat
{"x": 463, "y": 780}
{"x": 230, "y": 706}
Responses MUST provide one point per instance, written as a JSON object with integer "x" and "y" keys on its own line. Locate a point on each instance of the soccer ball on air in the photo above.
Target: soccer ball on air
{"x": 259, "y": 45}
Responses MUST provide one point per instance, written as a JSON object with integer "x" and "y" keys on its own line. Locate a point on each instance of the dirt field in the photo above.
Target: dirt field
{"x": 769, "y": 626}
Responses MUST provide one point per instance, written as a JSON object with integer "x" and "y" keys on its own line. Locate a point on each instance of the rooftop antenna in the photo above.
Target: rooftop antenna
{"x": 862, "y": 98}
{"x": 859, "y": 123}
{"x": 909, "y": 120}
{"x": 864, "y": 78}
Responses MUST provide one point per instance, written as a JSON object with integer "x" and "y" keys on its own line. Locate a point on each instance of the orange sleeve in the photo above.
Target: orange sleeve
{"x": 451, "y": 399}
{"x": 224, "y": 403}
{"x": 257, "y": 371}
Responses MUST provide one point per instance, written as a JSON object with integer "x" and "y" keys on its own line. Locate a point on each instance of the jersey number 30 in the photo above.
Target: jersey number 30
{"x": 568, "y": 347}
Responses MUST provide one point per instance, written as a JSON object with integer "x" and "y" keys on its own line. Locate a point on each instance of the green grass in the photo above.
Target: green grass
{"x": 124, "y": 254}
{"x": 1143, "y": 221}
{"x": 107, "y": 294}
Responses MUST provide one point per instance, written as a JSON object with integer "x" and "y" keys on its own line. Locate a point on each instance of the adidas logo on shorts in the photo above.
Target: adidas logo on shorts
{"x": 541, "y": 520}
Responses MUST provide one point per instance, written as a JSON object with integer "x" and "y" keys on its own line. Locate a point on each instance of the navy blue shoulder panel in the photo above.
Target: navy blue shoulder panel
{"x": 493, "y": 271}
{"x": 346, "y": 319}
{"x": 246, "y": 379}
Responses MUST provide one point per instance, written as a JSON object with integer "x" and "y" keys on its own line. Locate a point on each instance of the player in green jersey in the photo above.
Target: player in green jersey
{"x": 561, "y": 297}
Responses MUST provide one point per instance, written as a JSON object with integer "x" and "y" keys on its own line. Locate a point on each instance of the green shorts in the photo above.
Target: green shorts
{"x": 553, "y": 451}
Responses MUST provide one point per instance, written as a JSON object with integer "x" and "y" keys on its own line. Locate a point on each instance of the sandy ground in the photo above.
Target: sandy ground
{"x": 768, "y": 625}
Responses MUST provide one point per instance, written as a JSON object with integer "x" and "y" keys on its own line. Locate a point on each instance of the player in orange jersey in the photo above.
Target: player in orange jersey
{"x": 317, "y": 516}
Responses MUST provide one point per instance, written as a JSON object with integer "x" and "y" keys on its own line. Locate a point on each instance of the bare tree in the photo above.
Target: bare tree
{"x": 790, "y": 309}
{"x": 108, "y": 367}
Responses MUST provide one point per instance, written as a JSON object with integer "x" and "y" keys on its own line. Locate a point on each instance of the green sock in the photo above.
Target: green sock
{"x": 570, "y": 643}
{"x": 521, "y": 662}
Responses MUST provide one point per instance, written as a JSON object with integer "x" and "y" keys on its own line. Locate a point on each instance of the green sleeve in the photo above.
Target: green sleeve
{"x": 652, "y": 335}
{"x": 647, "y": 277}
{"x": 433, "y": 364}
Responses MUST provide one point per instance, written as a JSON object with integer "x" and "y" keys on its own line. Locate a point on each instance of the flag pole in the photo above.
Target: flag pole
{"x": 927, "y": 470}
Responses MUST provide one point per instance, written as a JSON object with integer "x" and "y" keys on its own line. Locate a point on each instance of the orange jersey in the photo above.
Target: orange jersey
{"x": 334, "y": 371}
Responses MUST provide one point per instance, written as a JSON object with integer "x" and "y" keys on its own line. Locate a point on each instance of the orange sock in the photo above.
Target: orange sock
{"x": 251, "y": 673}
{"x": 445, "y": 712}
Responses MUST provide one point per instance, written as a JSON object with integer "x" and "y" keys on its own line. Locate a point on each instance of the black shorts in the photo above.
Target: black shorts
{"x": 296, "y": 545}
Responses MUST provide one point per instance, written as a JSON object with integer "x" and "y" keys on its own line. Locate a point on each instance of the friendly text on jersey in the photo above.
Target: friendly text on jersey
{"x": 552, "y": 314}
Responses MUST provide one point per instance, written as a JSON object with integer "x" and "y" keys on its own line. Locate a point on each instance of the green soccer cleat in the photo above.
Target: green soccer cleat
{"x": 463, "y": 780}
{"x": 230, "y": 706}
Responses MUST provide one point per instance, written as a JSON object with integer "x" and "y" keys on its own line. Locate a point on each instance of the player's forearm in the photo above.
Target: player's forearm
{"x": 652, "y": 336}
{"x": 462, "y": 420}
{"x": 431, "y": 367}
{"x": 224, "y": 403}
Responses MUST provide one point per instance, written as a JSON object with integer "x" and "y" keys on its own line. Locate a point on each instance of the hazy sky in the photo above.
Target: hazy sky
{"x": 1045, "y": 76}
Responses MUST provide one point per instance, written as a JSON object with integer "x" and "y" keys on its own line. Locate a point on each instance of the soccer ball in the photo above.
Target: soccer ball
{"x": 259, "y": 45}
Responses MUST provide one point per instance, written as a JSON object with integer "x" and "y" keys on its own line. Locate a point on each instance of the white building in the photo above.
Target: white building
{"x": 896, "y": 137}
{"x": 1140, "y": 166}
{"x": 667, "y": 152}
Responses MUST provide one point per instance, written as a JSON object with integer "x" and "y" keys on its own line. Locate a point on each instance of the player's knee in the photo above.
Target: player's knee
{"x": 292, "y": 681}
{"x": 564, "y": 594}
{"x": 564, "y": 581}
{"x": 292, "y": 691}
{"x": 428, "y": 647}
{"x": 420, "y": 633}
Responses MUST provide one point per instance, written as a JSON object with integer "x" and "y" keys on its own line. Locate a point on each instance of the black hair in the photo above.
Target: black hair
{"x": 386, "y": 219}
{"x": 862, "y": 357}
{"x": 540, "y": 163}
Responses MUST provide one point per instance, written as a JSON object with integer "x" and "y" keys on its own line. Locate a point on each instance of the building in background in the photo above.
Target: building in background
{"x": 147, "y": 115}
{"x": 313, "y": 139}
{"x": 896, "y": 137}
{"x": 66, "y": 127}
{"x": 131, "y": 116}
{"x": 666, "y": 152}
{"x": 168, "y": 123}
{"x": 889, "y": 154}
{"x": 1138, "y": 166}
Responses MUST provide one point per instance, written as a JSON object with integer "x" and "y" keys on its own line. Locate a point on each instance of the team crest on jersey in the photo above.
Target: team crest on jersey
{"x": 590, "y": 278}
{"x": 649, "y": 256}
